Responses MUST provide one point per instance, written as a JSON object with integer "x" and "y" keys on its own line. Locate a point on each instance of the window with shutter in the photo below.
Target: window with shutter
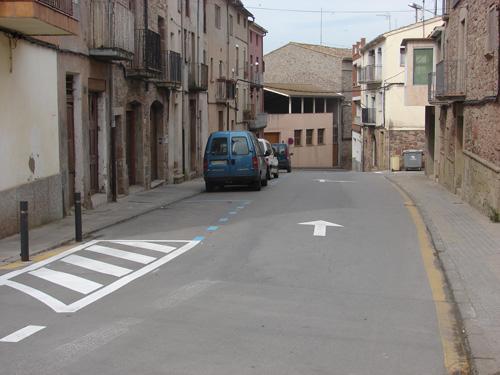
{"x": 492, "y": 31}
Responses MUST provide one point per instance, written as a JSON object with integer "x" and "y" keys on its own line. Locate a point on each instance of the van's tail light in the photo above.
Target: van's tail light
{"x": 255, "y": 163}
{"x": 205, "y": 164}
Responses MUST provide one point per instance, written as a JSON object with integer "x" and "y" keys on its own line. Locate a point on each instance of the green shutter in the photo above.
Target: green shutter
{"x": 422, "y": 65}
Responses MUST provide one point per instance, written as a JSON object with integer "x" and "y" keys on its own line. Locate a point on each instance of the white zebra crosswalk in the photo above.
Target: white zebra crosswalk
{"x": 140, "y": 258}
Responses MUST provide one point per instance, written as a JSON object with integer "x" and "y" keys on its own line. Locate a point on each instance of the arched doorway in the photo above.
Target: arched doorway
{"x": 156, "y": 141}
{"x": 133, "y": 143}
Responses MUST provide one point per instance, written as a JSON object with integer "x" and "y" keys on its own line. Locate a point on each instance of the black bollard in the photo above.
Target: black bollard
{"x": 23, "y": 231}
{"x": 78, "y": 217}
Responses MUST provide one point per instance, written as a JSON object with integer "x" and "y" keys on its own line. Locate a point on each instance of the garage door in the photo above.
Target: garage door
{"x": 272, "y": 137}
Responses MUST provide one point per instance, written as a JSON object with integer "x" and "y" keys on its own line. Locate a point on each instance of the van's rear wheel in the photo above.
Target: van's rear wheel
{"x": 257, "y": 185}
{"x": 209, "y": 187}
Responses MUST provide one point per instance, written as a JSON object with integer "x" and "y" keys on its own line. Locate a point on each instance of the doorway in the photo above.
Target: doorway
{"x": 155, "y": 140}
{"x": 94, "y": 142}
{"x": 133, "y": 143}
{"x": 70, "y": 138}
{"x": 193, "y": 135}
{"x": 459, "y": 155}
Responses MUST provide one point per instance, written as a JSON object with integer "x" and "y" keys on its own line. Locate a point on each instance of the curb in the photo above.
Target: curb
{"x": 87, "y": 234}
{"x": 440, "y": 251}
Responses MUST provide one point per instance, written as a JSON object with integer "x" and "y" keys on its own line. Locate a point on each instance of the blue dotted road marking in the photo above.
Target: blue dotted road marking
{"x": 233, "y": 213}
{"x": 212, "y": 228}
{"x": 224, "y": 220}
{"x": 199, "y": 238}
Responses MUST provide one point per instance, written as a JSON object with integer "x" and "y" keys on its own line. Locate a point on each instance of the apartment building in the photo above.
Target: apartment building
{"x": 227, "y": 24}
{"x": 29, "y": 120}
{"x": 391, "y": 81}
{"x": 463, "y": 126}
{"x": 254, "y": 112}
{"x": 307, "y": 95}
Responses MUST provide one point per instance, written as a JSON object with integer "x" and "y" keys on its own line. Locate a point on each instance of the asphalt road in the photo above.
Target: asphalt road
{"x": 248, "y": 291}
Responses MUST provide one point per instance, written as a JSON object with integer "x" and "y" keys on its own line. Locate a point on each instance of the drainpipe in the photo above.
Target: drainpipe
{"x": 227, "y": 61}
{"x": 111, "y": 17}
{"x": 183, "y": 118}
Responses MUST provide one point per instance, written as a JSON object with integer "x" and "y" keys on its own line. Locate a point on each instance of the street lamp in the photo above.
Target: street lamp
{"x": 417, "y": 8}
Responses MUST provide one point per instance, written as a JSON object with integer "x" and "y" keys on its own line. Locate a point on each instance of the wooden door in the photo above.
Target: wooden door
{"x": 70, "y": 138}
{"x": 153, "y": 141}
{"x": 192, "y": 134}
{"x": 272, "y": 137}
{"x": 130, "y": 147}
{"x": 93, "y": 142}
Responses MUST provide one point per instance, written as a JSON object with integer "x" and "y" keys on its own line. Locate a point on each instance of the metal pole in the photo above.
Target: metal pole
{"x": 25, "y": 247}
{"x": 78, "y": 217}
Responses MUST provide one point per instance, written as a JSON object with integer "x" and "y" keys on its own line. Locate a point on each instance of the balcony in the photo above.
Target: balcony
{"x": 257, "y": 79}
{"x": 112, "y": 31}
{"x": 448, "y": 82}
{"x": 371, "y": 74}
{"x": 260, "y": 122}
{"x": 198, "y": 77}
{"x": 147, "y": 61}
{"x": 39, "y": 17}
{"x": 225, "y": 90}
{"x": 357, "y": 120}
{"x": 249, "y": 113}
{"x": 171, "y": 73}
{"x": 369, "y": 116}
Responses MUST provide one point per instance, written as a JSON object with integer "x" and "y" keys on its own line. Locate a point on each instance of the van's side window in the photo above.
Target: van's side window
{"x": 219, "y": 146}
{"x": 239, "y": 146}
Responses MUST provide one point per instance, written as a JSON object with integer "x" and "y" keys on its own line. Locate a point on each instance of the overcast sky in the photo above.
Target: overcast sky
{"x": 339, "y": 29}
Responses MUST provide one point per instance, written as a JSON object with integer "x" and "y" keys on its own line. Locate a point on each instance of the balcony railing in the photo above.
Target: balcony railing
{"x": 371, "y": 74}
{"x": 147, "y": 62}
{"x": 249, "y": 112}
{"x": 225, "y": 90}
{"x": 112, "y": 30}
{"x": 257, "y": 79}
{"x": 357, "y": 120}
{"x": 198, "y": 77}
{"x": 369, "y": 116}
{"x": 448, "y": 82}
{"x": 64, "y": 6}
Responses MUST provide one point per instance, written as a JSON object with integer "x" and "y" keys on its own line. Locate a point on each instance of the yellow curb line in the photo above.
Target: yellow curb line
{"x": 455, "y": 358}
{"x": 36, "y": 258}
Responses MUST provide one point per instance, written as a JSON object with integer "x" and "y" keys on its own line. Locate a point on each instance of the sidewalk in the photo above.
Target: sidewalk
{"x": 60, "y": 232}
{"x": 469, "y": 248}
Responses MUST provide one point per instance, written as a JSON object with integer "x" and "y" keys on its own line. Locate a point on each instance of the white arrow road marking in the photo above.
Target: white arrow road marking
{"x": 76, "y": 283}
{"x": 320, "y": 227}
{"x": 337, "y": 181}
{"x": 22, "y": 334}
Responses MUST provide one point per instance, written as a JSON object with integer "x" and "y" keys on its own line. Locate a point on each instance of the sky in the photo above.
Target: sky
{"x": 341, "y": 29}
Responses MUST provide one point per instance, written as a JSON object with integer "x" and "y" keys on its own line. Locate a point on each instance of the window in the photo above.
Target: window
{"x": 402, "y": 56}
{"x": 212, "y": 69}
{"x": 251, "y": 36}
{"x": 492, "y": 32}
{"x": 239, "y": 146}
{"x": 188, "y": 8}
{"x": 422, "y": 65}
{"x": 237, "y": 61}
{"x": 321, "y": 136}
{"x": 219, "y": 146}
{"x": 179, "y": 6}
{"x": 220, "y": 68}
{"x": 205, "y": 16}
{"x": 217, "y": 17}
{"x": 257, "y": 39}
{"x": 245, "y": 23}
{"x": 297, "y": 136}
{"x": 230, "y": 25}
{"x": 309, "y": 137}
{"x": 239, "y": 18}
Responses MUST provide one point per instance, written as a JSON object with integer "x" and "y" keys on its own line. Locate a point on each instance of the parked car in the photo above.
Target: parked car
{"x": 234, "y": 158}
{"x": 271, "y": 159}
{"x": 283, "y": 152}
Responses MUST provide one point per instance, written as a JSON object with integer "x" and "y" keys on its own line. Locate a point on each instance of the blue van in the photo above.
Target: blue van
{"x": 234, "y": 158}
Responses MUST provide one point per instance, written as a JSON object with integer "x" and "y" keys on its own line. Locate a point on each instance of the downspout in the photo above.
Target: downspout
{"x": 111, "y": 17}
{"x": 198, "y": 72}
{"x": 184, "y": 84}
{"x": 227, "y": 60}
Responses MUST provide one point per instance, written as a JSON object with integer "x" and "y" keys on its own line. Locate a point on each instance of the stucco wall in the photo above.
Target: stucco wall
{"x": 29, "y": 148}
{"x": 315, "y": 156}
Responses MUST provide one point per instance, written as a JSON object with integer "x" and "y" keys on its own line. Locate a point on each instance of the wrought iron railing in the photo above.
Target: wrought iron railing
{"x": 172, "y": 67}
{"x": 369, "y": 115}
{"x": 147, "y": 51}
{"x": 198, "y": 77}
{"x": 448, "y": 81}
{"x": 64, "y": 6}
{"x": 371, "y": 73}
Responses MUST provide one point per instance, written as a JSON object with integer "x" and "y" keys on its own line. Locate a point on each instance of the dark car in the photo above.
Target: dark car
{"x": 234, "y": 158}
{"x": 283, "y": 152}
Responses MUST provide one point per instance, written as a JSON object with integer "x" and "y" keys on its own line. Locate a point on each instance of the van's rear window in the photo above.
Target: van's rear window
{"x": 239, "y": 146}
{"x": 219, "y": 146}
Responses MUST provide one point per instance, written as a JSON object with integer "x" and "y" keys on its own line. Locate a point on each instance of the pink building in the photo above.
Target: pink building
{"x": 257, "y": 120}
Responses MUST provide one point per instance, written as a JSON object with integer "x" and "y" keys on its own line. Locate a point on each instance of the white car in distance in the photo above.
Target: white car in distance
{"x": 271, "y": 159}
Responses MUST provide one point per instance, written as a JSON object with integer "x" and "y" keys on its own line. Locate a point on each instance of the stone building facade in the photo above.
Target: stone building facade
{"x": 463, "y": 127}
{"x": 317, "y": 74}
